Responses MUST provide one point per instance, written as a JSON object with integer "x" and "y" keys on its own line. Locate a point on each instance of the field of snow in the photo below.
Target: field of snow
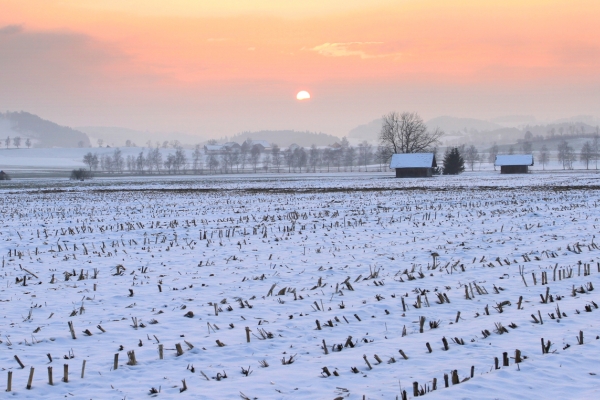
{"x": 478, "y": 286}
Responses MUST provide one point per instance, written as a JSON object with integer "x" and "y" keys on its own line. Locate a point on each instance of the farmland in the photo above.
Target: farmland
{"x": 347, "y": 285}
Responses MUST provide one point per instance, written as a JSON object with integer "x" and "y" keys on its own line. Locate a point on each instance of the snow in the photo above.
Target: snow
{"x": 341, "y": 249}
{"x": 416, "y": 160}
{"x": 514, "y": 159}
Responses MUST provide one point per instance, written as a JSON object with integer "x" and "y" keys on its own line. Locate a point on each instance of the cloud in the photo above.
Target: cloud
{"x": 11, "y": 29}
{"x": 363, "y": 50}
{"x": 42, "y": 64}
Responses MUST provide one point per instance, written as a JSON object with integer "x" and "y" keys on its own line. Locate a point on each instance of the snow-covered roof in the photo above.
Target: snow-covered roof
{"x": 263, "y": 143}
{"x": 514, "y": 159}
{"x": 213, "y": 147}
{"x": 413, "y": 160}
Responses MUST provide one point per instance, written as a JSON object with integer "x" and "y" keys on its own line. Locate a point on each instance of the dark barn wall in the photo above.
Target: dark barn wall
{"x": 414, "y": 172}
{"x": 514, "y": 169}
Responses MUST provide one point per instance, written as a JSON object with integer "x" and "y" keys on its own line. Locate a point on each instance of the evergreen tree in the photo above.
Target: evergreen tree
{"x": 454, "y": 163}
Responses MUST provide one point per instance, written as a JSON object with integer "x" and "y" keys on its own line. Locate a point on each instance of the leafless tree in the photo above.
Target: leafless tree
{"x": 596, "y": 146}
{"x": 313, "y": 157}
{"x": 544, "y": 156}
{"x": 17, "y": 141}
{"x": 118, "y": 160}
{"x": 471, "y": 156}
{"x": 91, "y": 160}
{"x": 255, "y": 153}
{"x": 197, "y": 158}
{"x": 492, "y": 154}
{"x": 276, "y": 156}
{"x": 407, "y": 133}
{"x": 566, "y": 155}
{"x": 587, "y": 154}
{"x": 28, "y": 143}
{"x": 140, "y": 162}
{"x": 350, "y": 157}
{"x": 364, "y": 153}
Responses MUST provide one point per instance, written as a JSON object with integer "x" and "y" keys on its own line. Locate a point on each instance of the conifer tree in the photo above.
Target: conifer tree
{"x": 454, "y": 163}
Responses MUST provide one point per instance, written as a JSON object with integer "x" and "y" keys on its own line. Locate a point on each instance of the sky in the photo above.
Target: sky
{"x": 212, "y": 68}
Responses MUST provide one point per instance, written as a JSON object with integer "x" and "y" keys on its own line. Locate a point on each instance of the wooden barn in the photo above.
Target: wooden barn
{"x": 413, "y": 165}
{"x": 514, "y": 163}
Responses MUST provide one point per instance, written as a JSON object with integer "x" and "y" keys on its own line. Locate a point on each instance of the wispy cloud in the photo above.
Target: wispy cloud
{"x": 363, "y": 50}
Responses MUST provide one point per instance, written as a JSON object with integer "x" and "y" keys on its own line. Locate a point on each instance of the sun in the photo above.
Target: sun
{"x": 303, "y": 95}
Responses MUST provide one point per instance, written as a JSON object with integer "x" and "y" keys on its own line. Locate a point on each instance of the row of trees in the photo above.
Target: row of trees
{"x": 295, "y": 159}
{"x": 16, "y": 141}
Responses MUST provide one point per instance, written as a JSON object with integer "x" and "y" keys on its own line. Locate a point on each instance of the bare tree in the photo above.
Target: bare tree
{"x": 587, "y": 154}
{"x": 350, "y": 157}
{"x": 17, "y": 141}
{"x": 197, "y": 158}
{"x": 255, "y": 156}
{"x": 313, "y": 157}
{"x": 180, "y": 160}
{"x": 300, "y": 157}
{"x": 288, "y": 158}
{"x": 544, "y": 156}
{"x": 7, "y": 141}
{"x": 276, "y": 156}
{"x": 364, "y": 153}
{"x": 91, "y": 160}
{"x": 407, "y": 133}
{"x": 566, "y": 155}
{"x": 266, "y": 162}
{"x": 383, "y": 155}
{"x": 596, "y": 146}
{"x": 492, "y": 155}
{"x": 28, "y": 143}
{"x": 140, "y": 162}
{"x": 212, "y": 162}
{"x": 118, "y": 160}
{"x": 471, "y": 156}
{"x": 154, "y": 159}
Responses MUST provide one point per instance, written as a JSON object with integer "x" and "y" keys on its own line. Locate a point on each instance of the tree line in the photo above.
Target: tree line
{"x": 245, "y": 159}
{"x": 16, "y": 141}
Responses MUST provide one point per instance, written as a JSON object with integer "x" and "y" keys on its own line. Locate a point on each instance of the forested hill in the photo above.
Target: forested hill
{"x": 41, "y": 132}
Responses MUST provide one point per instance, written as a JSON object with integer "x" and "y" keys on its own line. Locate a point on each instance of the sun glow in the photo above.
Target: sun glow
{"x": 303, "y": 95}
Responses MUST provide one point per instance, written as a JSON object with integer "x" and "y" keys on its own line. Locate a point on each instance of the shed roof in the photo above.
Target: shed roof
{"x": 413, "y": 160}
{"x": 514, "y": 159}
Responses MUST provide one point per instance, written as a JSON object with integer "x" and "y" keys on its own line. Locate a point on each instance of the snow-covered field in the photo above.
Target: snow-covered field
{"x": 334, "y": 276}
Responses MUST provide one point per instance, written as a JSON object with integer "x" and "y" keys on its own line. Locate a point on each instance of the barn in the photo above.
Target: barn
{"x": 4, "y": 176}
{"x": 413, "y": 165}
{"x": 514, "y": 163}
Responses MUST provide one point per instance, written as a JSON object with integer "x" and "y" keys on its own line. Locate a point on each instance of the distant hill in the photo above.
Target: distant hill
{"x": 368, "y": 132}
{"x": 287, "y": 137}
{"x": 462, "y": 125}
{"x": 43, "y": 133}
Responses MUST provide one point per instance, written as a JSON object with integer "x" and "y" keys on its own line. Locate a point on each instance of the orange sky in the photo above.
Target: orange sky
{"x": 215, "y": 68}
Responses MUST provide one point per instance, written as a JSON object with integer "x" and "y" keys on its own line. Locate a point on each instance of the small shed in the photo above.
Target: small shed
{"x": 413, "y": 165}
{"x": 4, "y": 176}
{"x": 514, "y": 163}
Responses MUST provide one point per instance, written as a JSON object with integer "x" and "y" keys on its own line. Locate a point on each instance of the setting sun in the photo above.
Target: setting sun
{"x": 303, "y": 95}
